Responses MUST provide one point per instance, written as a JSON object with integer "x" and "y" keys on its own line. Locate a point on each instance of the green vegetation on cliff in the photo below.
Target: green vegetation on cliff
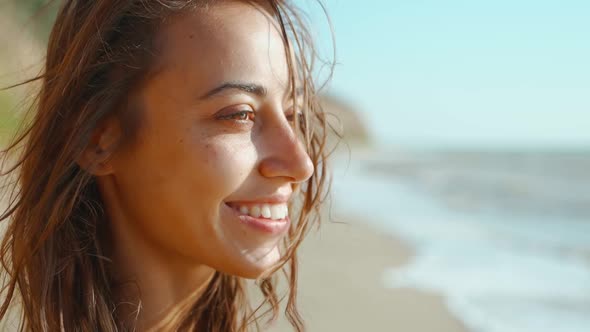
{"x": 38, "y": 14}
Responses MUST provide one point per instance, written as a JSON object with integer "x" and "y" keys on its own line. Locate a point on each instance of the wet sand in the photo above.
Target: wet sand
{"x": 341, "y": 289}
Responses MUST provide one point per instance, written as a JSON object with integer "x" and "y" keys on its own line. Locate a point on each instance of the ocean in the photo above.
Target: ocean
{"x": 504, "y": 236}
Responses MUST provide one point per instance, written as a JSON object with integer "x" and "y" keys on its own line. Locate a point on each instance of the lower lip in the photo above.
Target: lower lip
{"x": 273, "y": 227}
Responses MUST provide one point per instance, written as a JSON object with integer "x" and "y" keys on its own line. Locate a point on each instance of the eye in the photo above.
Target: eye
{"x": 239, "y": 115}
{"x": 242, "y": 115}
{"x": 296, "y": 116}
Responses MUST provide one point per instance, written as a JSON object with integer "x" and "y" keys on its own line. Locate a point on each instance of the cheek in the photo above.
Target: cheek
{"x": 229, "y": 162}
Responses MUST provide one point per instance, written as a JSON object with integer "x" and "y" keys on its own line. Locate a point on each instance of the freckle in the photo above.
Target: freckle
{"x": 191, "y": 36}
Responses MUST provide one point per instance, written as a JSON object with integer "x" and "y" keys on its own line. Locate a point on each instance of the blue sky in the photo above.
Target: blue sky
{"x": 465, "y": 73}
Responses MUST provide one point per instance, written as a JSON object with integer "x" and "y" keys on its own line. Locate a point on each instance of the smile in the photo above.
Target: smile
{"x": 263, "y": 211}
{"x": 272, "y": 219}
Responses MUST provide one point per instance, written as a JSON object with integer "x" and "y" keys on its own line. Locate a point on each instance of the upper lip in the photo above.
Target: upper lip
{"x": 277, "y": 198}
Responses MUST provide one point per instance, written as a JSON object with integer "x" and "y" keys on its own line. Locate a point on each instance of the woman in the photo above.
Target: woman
{"x": 163, "y": 166}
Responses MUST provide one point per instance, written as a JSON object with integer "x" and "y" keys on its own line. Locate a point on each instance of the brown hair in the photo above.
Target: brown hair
{"x": 55, "y": 250}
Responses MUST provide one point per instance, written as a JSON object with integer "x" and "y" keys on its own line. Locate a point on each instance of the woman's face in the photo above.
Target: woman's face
{"x": 208, "y": 177}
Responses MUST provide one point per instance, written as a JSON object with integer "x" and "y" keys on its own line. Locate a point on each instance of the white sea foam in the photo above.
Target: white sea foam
{"x": 498, "y": 272}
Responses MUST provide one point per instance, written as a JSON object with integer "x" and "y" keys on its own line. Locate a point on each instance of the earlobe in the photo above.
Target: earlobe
{"x": 96, "y": 157}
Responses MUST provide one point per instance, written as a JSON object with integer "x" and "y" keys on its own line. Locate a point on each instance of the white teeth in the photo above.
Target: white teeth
{"x": 244, "y": 210}
{"x": 265, "y": 211}
{"x": 276, "y": 212}
{"x": 255, "y": 211}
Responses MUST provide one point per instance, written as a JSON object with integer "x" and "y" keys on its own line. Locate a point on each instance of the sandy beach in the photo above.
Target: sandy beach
{"x": 341, "y": 288}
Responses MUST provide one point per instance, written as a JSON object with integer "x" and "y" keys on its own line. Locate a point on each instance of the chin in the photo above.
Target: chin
{"x": 252, "y": 266}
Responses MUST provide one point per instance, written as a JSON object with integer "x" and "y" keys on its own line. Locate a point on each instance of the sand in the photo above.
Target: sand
{"x": 341, "y": 287}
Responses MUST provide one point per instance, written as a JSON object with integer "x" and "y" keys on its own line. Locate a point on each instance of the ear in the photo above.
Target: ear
{"x": 96, "y": 157}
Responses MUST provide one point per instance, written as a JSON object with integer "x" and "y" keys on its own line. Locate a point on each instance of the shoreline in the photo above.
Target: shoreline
{"x": 341, "y": 286}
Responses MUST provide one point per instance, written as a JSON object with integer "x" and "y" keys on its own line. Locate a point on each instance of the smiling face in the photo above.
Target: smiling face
{"x": 207, "y": 178}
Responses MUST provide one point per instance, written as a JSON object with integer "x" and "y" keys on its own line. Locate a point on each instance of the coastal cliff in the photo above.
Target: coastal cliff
{"x": 347, "y": 121}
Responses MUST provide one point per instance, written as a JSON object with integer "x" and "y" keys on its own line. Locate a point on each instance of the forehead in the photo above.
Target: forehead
{"x": 226, "y": 41}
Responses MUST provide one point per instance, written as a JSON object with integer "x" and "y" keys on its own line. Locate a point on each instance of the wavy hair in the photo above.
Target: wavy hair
{"x": 55, "y": 249}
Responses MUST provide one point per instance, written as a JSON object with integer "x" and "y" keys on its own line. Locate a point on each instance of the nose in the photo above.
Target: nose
{"x": 283, "y": 153}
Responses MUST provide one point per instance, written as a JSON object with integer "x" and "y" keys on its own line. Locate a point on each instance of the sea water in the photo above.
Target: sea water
{"x": 504, "y": 237}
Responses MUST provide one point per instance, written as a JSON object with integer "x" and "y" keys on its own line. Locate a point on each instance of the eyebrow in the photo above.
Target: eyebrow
{"x": 251, "y": 88}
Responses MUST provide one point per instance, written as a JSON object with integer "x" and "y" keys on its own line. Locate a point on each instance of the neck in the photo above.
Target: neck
{"x": 154, "y": 302}
{"x": 154, "y": 288}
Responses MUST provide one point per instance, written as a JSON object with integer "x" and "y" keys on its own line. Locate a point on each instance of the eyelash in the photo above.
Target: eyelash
{"x": 251, "y": 115}
{"x": 300, "y": 118}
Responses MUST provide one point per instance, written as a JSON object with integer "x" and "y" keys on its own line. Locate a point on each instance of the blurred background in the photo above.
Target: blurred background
{"x": 461, "y": 193}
